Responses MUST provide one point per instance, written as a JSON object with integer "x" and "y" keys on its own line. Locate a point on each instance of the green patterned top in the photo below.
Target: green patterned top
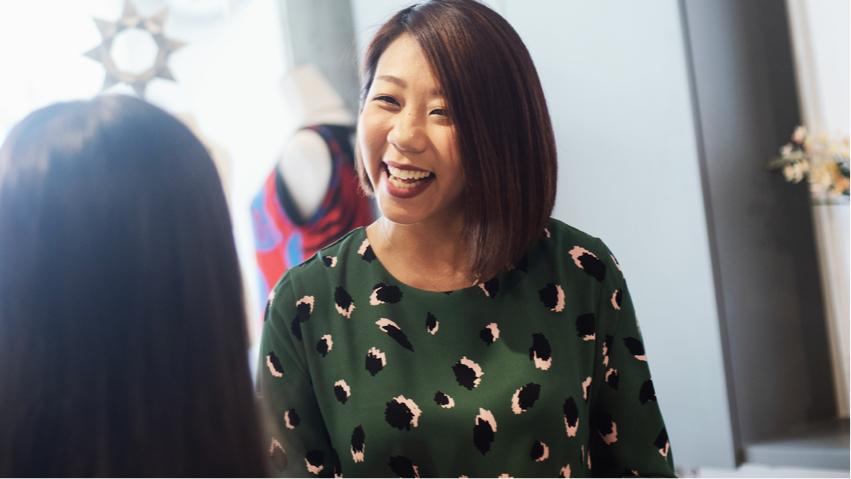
{"x": 540, "y": 371}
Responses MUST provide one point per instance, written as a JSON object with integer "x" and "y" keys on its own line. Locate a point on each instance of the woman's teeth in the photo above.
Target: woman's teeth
{"x": 407, "y": 174}
{"x": 402, "y": 183}
{"x": 406, "y": 179}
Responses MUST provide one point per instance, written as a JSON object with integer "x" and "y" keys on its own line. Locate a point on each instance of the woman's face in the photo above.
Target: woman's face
{"x": 407, "y": 141}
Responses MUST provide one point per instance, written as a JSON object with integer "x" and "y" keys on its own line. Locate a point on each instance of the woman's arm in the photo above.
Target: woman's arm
{"x": 298, "y": 443}
{"x": 628, "y": 436}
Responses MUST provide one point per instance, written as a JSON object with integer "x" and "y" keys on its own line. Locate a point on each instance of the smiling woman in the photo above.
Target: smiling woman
{"x": 409, "y": 154}
{"x": 470, "y": 58}
{"x": 464, "y": 332}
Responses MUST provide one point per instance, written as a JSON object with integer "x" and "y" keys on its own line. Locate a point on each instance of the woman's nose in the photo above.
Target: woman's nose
{"x": 408, "y": 133}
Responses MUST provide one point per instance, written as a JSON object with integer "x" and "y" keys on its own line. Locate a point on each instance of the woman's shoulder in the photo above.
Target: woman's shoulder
{"x": 330, "y": 255}
{"x": 587, "y": 252}
{"x": 329, "y": 262}
{"x": 563, "y": 234}
{"x": 561, "y": 231}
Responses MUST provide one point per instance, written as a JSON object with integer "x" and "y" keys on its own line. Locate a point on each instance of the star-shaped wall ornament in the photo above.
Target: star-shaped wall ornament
{"x": 153, "y": 25}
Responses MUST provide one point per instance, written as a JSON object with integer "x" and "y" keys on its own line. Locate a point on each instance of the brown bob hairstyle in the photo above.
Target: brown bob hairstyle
{"x": 500, "y": 117}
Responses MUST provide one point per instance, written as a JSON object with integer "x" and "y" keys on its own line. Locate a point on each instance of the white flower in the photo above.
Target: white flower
{"x": 795, "y": 171}
{"x": 788, "y": 172}
{"x": 800, "y": 171}
{"x": 816, "y": 158}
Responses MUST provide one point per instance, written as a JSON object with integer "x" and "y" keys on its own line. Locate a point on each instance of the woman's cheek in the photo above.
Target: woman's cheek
{"x": 370, "y": 165}
{"x": 374, "y": 137}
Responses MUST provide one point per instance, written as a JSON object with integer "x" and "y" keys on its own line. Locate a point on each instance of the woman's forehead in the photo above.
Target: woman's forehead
{"x": 405, "y": 65}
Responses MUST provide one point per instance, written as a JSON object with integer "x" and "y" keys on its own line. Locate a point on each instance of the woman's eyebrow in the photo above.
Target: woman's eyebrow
{"x": 435, "y": 92}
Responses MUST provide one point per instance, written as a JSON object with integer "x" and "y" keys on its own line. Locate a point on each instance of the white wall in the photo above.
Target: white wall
{"x": 820, "y": 40}
{"x": 615, "y": 76}
{"x": 820, "y": 43}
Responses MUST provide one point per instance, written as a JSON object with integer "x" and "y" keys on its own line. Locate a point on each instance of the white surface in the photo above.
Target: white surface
{"x": 310, "y": 99}
{"x": 759, "y": 470}
{"x": 41, "y": 49}
{"x": 820, "y": 41}
{"x": 821, "y": 50}
{"x": 831, "y": 224}
{"x": 305, "y": 168}
{"x": 305, "y": 163}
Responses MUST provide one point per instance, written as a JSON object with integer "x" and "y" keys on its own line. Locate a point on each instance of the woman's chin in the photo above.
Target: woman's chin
{"x": 398, "y": 210}
{"x": 398, "y": 214}
{"x": 424, "y": 208}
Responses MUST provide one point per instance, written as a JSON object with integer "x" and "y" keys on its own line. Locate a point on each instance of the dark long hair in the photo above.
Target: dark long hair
{"x": 497, "y": 106}
{"x": 122, "y": 339}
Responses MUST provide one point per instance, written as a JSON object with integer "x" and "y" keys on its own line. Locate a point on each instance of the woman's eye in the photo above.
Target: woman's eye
{"x": 386, "y": 99}
{"x": 439, "y": 111}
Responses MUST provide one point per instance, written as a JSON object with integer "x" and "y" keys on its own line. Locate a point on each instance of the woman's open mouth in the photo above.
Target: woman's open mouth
{"x": 405, "y": 182}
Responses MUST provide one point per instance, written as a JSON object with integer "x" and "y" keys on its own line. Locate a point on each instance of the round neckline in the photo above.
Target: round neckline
{"x": 396, "y": 281}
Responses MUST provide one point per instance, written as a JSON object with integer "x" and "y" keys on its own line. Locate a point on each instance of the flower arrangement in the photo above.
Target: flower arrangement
{"x": 819, "y": 159}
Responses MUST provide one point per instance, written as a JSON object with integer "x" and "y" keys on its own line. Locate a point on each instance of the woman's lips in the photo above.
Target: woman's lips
{"x": 401, "y": 189}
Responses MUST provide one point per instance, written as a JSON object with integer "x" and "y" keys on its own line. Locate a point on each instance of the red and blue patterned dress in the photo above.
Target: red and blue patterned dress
{"x": 283, "y": 238}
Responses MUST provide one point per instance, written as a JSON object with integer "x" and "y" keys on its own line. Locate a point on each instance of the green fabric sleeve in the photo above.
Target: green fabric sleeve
{"x": 298, "y": 442}
{"x": 628, "y": 436}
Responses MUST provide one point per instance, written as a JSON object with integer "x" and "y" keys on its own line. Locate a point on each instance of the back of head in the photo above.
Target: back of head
{"x": 121, "y": 329}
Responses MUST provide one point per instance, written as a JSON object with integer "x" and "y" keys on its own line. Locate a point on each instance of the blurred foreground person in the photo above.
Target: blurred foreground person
{"x": 121, "y": 313}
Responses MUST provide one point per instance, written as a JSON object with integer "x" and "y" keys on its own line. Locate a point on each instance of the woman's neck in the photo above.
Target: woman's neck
{"x": 428, "y": 255}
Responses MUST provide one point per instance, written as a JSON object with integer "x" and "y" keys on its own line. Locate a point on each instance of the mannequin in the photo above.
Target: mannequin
{"x": 312, "y": 196}
{"x": 305, "y": 162}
